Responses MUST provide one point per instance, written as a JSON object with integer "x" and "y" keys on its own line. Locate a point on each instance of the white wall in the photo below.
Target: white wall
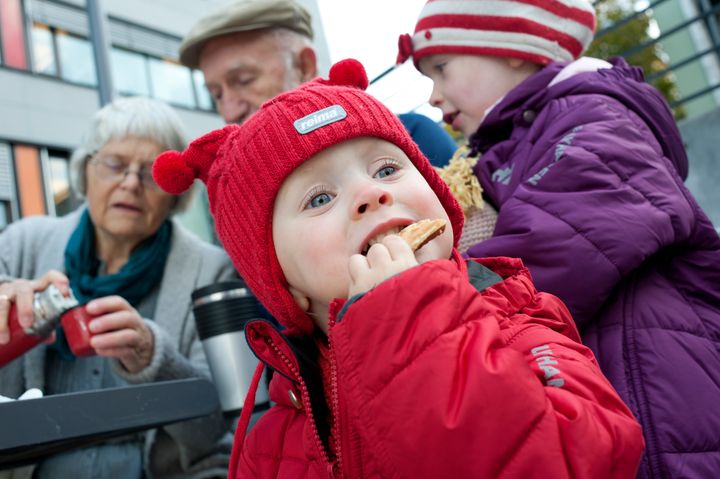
{"x": 43, "y": 111}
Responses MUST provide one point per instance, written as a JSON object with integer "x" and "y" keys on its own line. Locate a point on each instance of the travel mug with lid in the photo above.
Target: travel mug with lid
{"x": 221, "y": 312}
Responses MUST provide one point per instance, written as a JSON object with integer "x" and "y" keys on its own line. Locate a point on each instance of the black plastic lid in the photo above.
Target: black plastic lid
{"x": 217, "y": 287}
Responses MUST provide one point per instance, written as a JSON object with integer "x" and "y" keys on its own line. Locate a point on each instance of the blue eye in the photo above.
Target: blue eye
{"x": 386, "y": 171}
{"x": 319, "y": 200}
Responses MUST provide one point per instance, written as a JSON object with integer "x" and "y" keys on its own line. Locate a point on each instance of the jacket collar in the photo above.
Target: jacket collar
{"x": 273, "y": 348}
{"x": 500, "y": 121}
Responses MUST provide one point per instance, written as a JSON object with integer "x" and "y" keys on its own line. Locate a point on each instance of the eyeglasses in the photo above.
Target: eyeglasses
{"x": 113, "y": 170}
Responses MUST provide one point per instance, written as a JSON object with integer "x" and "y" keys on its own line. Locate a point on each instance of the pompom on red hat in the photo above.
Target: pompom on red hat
{"x": 540, "y": 31}
{"x": 243, "y": 167}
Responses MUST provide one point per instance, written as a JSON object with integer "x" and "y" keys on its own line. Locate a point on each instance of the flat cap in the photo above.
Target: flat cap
{"x": 244, "y": 16}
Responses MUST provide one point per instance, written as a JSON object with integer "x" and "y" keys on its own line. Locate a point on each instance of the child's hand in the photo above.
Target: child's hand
{"x": 385, "y": 259}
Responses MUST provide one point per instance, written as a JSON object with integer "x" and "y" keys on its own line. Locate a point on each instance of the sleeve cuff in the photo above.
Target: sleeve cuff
{"x": 162, "y": 352}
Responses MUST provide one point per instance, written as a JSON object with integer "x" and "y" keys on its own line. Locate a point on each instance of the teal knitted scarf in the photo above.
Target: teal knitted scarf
{"x": 134, "y": 281}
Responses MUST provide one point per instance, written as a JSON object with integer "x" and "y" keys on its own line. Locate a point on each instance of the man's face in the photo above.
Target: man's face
{"x": 338, "y": 202}
{"x": 243, "y": 70}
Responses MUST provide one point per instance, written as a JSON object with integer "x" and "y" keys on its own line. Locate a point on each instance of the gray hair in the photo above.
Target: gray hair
{"x": 291, "y": 40}
{"x": 133, "y": 116}
{"x": 290, "y": 44}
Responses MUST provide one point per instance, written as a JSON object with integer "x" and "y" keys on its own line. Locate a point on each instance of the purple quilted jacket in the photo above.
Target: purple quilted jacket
{"x": 587, "y": 175}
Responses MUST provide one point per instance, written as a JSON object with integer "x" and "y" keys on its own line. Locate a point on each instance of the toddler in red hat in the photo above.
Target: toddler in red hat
{"x": 393, "y": 362}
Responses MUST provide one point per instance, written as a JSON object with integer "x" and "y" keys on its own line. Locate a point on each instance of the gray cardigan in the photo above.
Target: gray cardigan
{"x": 198, "y": 448}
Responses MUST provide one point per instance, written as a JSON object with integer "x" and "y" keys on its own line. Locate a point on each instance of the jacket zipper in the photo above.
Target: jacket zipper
{"x": 306, "y": 404}
{"x": 335, "y": 402}
{"x": 343, "y": 444}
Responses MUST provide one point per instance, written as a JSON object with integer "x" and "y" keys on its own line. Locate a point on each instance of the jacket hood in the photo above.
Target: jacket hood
{"x": 623, "y": 82}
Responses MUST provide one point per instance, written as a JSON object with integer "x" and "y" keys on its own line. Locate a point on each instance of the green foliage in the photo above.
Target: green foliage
{"x": 627, "y": 36}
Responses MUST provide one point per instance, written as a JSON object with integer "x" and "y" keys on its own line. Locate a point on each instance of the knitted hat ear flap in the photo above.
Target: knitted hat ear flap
{"x": 175, "y": 171}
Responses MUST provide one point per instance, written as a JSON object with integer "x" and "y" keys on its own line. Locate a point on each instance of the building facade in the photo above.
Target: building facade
{"x": 49, "y": 88}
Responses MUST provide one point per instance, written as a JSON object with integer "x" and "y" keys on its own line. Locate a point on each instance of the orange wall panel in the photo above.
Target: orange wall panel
{"x": 29, "y": 180}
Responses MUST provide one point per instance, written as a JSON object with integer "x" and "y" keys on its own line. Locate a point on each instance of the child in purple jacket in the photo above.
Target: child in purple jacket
{"x": 585, "y": 165}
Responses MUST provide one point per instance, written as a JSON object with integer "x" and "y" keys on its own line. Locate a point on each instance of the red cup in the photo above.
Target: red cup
{"x": 75, "y": 323}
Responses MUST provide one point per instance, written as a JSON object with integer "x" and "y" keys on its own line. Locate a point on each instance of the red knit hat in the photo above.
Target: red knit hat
{"x": 244, "y": 166}
{"x": 540, "y": 31}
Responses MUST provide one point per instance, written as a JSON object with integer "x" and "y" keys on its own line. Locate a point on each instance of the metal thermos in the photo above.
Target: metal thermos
{"x": 50, "y": 308}
{"x": 221, "y": 312}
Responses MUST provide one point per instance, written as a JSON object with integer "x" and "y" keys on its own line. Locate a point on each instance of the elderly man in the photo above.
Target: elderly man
{"x": 252, "y": 50}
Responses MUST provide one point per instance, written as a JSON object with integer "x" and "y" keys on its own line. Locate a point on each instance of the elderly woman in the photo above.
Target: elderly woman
{"x": 136, "y": 268}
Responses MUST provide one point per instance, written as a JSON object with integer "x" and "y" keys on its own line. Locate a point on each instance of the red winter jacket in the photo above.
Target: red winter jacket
{"x": 431, "y": 378}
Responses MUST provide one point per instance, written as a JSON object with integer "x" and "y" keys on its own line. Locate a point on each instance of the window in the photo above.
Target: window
{"x": 713, "y": 3}
{"x": 61, "y": 193}
{"x": 59, "y": 53}
{"x": 712, "y": 21}
{"x": 171, "y": 83}
{"x": 205, "y": 101}
{"x": 5, "y": 215}
{"x": 130, "y": 72}
{"x": 135, "y": 73}
{"x": 7, "y": 184}
{"x": 77, "y": 63}
{"x": 43, "y": 50}
{"x": 67, "y": 54}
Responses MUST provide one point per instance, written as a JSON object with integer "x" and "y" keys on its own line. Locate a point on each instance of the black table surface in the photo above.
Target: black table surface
{"x": 31, "y": 429}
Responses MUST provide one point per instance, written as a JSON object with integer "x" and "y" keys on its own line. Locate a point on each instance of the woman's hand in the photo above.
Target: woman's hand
{"x": 118, "y": 331}
{"x": 385, "y": 259}
{"x": 21, "y": 292}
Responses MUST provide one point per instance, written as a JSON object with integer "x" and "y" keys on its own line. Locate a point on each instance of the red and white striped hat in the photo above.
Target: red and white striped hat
{"x": 541, "y": 31}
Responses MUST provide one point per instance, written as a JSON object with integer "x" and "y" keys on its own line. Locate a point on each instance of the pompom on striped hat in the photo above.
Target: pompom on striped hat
{"x": 540, "y": 31}
{"x": 243, "y": 167}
